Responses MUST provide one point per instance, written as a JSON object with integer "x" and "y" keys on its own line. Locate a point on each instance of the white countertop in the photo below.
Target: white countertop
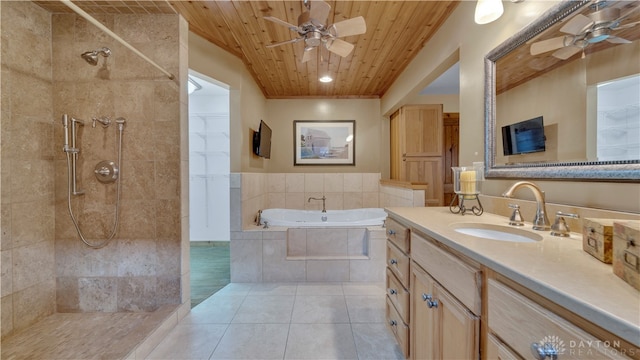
{"x": 555, "y": 267}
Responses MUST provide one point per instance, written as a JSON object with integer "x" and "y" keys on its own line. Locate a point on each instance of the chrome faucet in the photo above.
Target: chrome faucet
{"x": 323, "y": 198}
{"x": 540, "y": 221}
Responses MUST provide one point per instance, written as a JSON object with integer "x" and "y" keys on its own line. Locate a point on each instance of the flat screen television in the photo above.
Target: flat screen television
{"x": 524, "y": 137}
{"x": 262, "y": 141}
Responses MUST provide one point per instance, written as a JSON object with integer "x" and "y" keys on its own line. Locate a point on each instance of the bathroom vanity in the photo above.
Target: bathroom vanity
{"x": 470, "y": 297}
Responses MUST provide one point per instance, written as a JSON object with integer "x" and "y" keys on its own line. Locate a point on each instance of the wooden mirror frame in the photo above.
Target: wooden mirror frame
{"x": 626, "y": 170}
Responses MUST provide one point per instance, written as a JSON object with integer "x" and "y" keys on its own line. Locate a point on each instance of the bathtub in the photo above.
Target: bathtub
{"x": 316, "y": 218}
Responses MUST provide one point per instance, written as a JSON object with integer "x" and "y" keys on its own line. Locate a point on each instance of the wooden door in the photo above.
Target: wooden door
{"x": 426, "y": 169}
{"x": 423, "y": 130}
{"x": 451, "y": 144}
{"x": 397, "y": 169}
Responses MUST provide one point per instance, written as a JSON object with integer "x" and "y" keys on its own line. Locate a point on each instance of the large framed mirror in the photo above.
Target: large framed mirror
{"x": 562, "y": 96}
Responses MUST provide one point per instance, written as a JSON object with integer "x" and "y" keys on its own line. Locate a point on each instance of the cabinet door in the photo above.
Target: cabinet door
{"x": 423, "y": 343}
{"x": 457, "y": 327}
{"x": 442, "y": 328}
{"x": 428, "y": 170}
{"x": 496, "y": 350}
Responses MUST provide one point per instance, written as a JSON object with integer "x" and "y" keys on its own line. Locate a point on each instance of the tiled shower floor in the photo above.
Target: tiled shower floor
{"x": 83, "y": 335}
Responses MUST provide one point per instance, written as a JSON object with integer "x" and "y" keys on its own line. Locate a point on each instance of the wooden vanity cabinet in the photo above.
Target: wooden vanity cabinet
{"x": 398, "y": 275}
{"x": 442, "y": 325}
{"x": 520, "y": 322}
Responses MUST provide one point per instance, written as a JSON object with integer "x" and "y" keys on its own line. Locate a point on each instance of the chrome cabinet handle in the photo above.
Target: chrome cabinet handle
{"x": 393, "y": 323}
{"x": 392, "y": 291}
{"x": 431, "y": 303}
{"x": 391, "y": 232}
{"x": 393, "y": 261}
{"x": 542, "y": 351}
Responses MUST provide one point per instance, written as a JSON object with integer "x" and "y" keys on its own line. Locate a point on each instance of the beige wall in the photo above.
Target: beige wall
{"x": 473, "y": 42}
{"x": 369, "y": 140}
{"x": 27, "y": 163}
{"x": 247, "y": 103}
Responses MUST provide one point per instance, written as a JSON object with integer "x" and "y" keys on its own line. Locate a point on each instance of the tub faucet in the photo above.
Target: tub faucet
{"x": 540, "y": 221}
{"x": 323, "y": 198}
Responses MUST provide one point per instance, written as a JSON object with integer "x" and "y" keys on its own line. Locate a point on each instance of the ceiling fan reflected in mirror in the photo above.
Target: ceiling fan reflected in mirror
{"x": 313, "y": 29}
{"x": 583, "y": 31}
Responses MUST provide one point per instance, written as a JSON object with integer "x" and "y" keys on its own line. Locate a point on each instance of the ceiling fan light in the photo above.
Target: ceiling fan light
{"x": 326, "y": 79}
{"x": 598, "y": 35}
{"x": 488, "y": 11}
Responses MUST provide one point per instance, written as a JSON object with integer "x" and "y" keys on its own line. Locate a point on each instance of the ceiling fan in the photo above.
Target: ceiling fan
{"x": 583, "y": 31}
{"x": 312, "y": 28}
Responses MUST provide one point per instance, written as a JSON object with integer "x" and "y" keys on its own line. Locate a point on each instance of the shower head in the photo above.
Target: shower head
{"x": 92, "y": 56}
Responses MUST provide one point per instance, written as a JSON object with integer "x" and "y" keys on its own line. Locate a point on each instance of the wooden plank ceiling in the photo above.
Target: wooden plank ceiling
{"x": 396, "y": 32}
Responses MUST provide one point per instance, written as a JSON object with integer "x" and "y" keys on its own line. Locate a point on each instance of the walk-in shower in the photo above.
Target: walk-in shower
{"x": 106, "y": 171}
{"x": 92, "y": 56}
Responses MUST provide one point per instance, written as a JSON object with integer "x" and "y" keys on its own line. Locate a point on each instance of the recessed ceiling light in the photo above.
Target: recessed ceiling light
{"x": 326, "y": 79}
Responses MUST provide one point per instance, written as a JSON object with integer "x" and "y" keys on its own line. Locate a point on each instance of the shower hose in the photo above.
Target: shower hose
{"x": 115, "y": 223}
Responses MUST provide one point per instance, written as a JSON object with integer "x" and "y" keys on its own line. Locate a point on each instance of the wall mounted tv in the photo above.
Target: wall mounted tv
{"x": 262, "y": 141}
{"x": 524, "y": 137}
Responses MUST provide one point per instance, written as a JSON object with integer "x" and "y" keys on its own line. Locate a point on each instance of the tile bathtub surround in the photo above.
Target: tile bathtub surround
{"x": 281, "y": 255}
{"x": 292, "y": 191}
{"x": 285, "y": 321}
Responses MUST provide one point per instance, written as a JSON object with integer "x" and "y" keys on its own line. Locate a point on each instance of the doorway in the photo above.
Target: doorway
{"x": 209, "y": 193}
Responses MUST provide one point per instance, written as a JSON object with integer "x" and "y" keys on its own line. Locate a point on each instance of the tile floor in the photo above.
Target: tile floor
{"x": 285, "y": 321}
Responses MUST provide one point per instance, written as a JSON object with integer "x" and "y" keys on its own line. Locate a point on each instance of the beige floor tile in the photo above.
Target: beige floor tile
{"x": 320, "y": 309}
{"x": 366, "y": 309}
{"x": 321, "y": 341}
{"x": 267, "y": 309}
{"x": 253, "y": 341}
{"x": 375, "y": 342}
{"x": 191, "y": 341}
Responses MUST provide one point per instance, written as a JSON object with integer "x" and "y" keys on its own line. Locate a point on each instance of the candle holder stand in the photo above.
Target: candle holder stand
{"x": 460, "y": 208}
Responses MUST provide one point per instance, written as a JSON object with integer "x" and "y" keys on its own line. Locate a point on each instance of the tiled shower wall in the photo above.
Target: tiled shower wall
{"x": 45, "y": 266}
{"x": 141, "y": 268}
{"x": 26, "y": 165}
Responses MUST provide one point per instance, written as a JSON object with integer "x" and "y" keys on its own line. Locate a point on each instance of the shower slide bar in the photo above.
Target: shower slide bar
{"x": 95, "y": 22}
{"x": 72, "y": 148}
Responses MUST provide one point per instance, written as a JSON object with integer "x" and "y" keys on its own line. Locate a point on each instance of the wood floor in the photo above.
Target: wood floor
{"x": 209, "y": 269}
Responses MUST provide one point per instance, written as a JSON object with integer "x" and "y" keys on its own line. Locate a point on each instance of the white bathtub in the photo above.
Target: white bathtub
{"x": 316, "y": 218}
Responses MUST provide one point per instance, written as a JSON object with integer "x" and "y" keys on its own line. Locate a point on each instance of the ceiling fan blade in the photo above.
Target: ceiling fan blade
{"x": 281, "y": 22}
{"x": 319, "y": 11}
{"x": 547, "y": 45}
{"x": 617, "y": 40}
{"x": 354, "y": 26}
{"x": 576, "y": 25}
{"x": 306, "y": 55}
{"x": 339, "y": 47}
{"x": 626, "y": 26}
{"x": 284, "y": 42}
{"x": 566, "y": 52}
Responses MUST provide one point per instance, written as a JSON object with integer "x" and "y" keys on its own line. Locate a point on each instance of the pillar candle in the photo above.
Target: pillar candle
{"x": 468, "y": 182}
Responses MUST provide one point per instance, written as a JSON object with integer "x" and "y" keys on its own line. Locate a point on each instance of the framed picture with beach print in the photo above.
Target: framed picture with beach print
{"x": 324, "y": 142}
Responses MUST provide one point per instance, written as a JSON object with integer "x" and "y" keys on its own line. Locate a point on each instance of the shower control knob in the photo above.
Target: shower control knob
{"x": 106, "y": 171}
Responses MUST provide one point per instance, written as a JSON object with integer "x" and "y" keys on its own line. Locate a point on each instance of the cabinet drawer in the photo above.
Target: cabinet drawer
{"x": 496, "y": 350}
{"x": 461, "y": 279}
{"x": 398, "y": 327}
{"x": 398, "y": 295}
{"x": 520, "y": 322}
{"x": 398, "y": 234}
{"x": 398, "y": 262}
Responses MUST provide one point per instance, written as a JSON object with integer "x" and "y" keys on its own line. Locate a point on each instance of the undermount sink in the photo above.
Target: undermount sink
{"x": 496, "y": 232}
